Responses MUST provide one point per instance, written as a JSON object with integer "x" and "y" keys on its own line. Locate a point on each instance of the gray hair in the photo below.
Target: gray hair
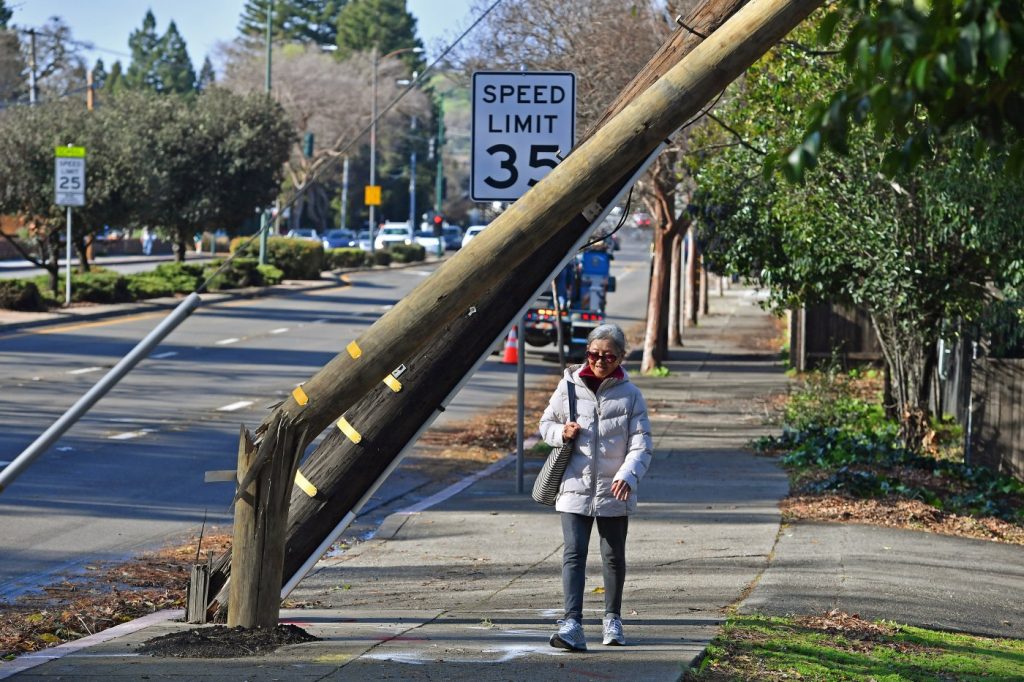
{"x": 611, "y": 332}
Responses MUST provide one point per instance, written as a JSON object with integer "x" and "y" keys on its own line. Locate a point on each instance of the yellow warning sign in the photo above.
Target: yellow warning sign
{"x": 372, "y": 195}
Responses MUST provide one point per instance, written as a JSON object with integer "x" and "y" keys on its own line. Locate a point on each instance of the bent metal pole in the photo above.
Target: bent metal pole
{"x": 102, "y": 387}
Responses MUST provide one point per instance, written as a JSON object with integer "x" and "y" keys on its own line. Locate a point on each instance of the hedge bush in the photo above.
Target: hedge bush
{"x": 149, "y": 285}
{"x": 297, "y": 258}
{"x": 183, "y": 278}
{"x": 345, "y": 258}
{"x": 239, "y": 273}
{"x": 98, "y": 286}
{"x": 20, "y": 294}
{"x": 408, "y": 253}
{"x": 270, "y": 274}
{"x": 380, "y": 258}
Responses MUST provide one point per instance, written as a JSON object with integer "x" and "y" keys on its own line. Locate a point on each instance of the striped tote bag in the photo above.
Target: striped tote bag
{"x": 549, "y": 480}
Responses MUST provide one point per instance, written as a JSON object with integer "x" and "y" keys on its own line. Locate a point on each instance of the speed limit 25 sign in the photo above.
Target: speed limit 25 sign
{"x": 522, "y": 123}
{"x": 69, "y": 176}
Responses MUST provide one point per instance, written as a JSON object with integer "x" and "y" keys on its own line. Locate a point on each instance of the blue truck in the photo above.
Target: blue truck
{"x": 582, "y": 288}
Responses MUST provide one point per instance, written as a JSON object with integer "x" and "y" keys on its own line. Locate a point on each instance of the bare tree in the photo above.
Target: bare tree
{"x": 331, "y": 99}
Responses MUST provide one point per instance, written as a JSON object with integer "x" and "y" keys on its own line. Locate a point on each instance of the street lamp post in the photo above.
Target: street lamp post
{"x": 373, "y": 129}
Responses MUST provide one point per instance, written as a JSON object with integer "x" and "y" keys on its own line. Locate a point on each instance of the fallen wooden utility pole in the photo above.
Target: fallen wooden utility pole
{"x": 343, "y": 472}
{"x": 571, "y": 188}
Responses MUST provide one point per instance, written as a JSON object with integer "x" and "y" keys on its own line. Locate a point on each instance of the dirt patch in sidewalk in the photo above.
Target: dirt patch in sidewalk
{"x": 220, "y": 641}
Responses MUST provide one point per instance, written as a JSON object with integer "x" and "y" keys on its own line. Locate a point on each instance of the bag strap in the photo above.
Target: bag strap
{"x": 570, "y": 388}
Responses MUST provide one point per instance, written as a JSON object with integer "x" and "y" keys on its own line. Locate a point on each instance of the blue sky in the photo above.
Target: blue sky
{"x": 203, "y": 23}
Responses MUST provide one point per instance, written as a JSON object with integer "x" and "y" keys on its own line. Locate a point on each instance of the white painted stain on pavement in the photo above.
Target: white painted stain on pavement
{"x": 235, "y": 406}
{"x": 498, "y": 654}
{"x": 279, "y": 330}
{"x": 128, "y": 435}
{"x": 227, "y": 342}
{"x": 85, "y": 370}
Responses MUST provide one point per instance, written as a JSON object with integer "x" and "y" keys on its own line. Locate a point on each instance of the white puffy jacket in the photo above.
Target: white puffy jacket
{"x": 614, "y": 443}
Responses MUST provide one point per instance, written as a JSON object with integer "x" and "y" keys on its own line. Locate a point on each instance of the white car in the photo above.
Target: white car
{"x": 390, "y": 234}
{"x": 428, "y": 241}
{"x": 472, "y": 231}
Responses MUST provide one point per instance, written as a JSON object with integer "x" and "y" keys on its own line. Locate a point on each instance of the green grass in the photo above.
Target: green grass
{"x": 764, "y": 648}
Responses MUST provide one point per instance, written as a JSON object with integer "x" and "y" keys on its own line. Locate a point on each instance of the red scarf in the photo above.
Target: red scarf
{"x": 594, "y": 382}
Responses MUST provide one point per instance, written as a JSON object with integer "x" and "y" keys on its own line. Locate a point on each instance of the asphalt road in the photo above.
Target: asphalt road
{"x": 130, "y": 474}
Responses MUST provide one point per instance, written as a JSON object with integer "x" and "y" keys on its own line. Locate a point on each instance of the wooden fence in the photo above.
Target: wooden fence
{"x": 820, "y": 332}
{"x": 996, "y": 416}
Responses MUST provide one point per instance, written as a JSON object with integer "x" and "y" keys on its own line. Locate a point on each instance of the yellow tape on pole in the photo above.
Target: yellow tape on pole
{"x": 354, "y": 350}
{"x": 347, "y": 429}
{"x": 304, "y": 484}
{"x": 394, "y": 384}
{"x": 300, "y": 396}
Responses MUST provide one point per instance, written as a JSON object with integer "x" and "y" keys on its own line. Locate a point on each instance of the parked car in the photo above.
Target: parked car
{"x": 390, "y": 234}
{"x": 641, "y": 219}
{"x": 304, "y": 233}
{"x": 452, "y": 238}
{"x": 338, "y": 239}
{"x": 362, "y": 241}
{"x": 472, "y": 231}
{"x": 427, "y": 240}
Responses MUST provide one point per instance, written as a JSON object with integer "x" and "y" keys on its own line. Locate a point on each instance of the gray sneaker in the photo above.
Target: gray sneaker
{"x": 613, "y": 631}
{"x": 569, "y": 636}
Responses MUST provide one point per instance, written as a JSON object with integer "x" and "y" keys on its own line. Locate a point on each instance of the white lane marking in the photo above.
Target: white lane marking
{"x": 320, "y": 321}
{"x": 85, "y": 370}
{"x": 3, "y": 464}
{"x": 389, "y": 306}
{"x": 128, "y": 435}
{"x": 225, "y": 342}
{"x": 64, "y": 448}
{"x": 168, "y": 354}
{"x": 279, "y": 330}
{"x": 235, "y": 406}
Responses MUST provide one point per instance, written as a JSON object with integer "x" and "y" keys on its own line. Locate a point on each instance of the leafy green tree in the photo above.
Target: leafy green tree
{"x": 918, "y": 69}
{"x": 173, "y": 67}
{"x": 114, "y": 81}
{"x": 293, "y": 21}
{"x": 221, "y": 158}
{"x": 5, "y": 15}
{"x": 207, "y": 76}
{"x": 917, "y": 253}
{"x": 145, "y": 47}
{"x": 12, "y": 67}
{"x": 386, "y": 24}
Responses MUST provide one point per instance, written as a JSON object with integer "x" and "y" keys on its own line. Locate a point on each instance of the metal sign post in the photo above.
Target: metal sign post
{"x": 523, "y": 124}
{"x": 69, "y": 190}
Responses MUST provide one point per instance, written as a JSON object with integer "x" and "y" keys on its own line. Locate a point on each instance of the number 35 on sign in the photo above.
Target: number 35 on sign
{"x": 523, "y": 122}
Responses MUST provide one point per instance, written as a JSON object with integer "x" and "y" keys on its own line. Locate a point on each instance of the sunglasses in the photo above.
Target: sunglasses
{"x": 607, "y": 357}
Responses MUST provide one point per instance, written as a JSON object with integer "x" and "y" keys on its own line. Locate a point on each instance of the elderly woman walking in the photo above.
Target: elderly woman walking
{"x": 612, "y": 451}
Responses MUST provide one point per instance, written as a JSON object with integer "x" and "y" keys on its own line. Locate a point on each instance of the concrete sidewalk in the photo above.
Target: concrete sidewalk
{"x": 470, "y": 588}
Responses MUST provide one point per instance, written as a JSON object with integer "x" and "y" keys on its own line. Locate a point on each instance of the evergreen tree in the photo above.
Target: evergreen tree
{"x": 172, "y": 66}
{"x": 384, "y": 23}
{"x": 99, "y": 75}
{"x": 5, "y": 15}
{"x": 145, "y": 46}
{"x": 299, "y": 21}
{"x": 207, "y": 76}
{"x": 114, "y": 80}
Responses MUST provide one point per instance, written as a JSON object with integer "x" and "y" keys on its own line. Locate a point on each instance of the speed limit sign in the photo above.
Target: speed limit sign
{"x": 69, "y": 176}
{"x": 523, "y": 122}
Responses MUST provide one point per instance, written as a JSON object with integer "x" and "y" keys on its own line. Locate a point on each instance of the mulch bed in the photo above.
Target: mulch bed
{"x": 220, "y": 641}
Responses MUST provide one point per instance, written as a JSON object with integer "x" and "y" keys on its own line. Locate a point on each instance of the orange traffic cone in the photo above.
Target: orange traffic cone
{"x": 511, "y": 356}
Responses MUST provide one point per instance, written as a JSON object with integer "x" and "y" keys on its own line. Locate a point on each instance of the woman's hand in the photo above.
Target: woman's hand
{"x": 570, "y": 430}
{"x": 620, "y": 489}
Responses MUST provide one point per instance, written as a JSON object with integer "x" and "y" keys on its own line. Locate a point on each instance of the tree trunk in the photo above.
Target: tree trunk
{"x": 654, "y": 350}
{"x": 692, "y": 290}
{"x": 910, "y": 356}
{"x": 179, "y": 248}
{"x": 675, "y": 329}
{"x": 703, "y": 286}
{"x": 82, "y": 249}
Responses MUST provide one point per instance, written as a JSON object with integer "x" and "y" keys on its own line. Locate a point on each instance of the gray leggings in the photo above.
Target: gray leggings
{"x": 576, "y": 536}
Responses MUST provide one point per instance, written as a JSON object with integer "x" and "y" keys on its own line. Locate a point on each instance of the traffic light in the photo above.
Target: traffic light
{"x": 438, "y": 222}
